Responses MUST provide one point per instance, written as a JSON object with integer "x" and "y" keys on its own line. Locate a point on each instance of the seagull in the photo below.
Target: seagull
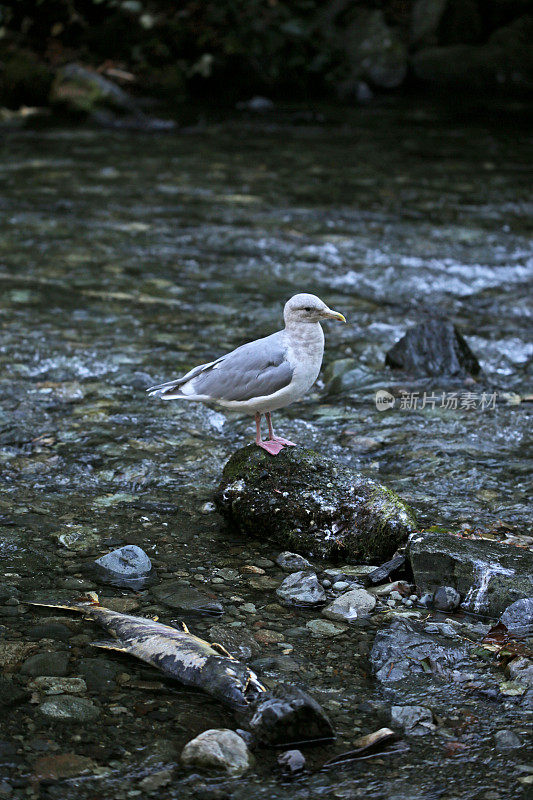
{"x": 262, "y": 376}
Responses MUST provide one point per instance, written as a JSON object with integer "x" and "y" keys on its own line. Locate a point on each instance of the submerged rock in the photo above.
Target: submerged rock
{"x": 404, "y": 649}
{"x": 52, "y": 664}
{"x": 301, "y": 588}
{"x": 350, "y": 606}
{"x": 68, "y": 708}
{"x": 302, "y": 499}
{"x": 185, "y": 598}
{"x": 292, "y": 761}
{"x": 433, "y": 348}
{"x": 219, "y": 750}
{"x": 489, "y": 575}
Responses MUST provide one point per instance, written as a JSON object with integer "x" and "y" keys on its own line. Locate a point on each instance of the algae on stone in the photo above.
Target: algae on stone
{"x": 307, "y": 502}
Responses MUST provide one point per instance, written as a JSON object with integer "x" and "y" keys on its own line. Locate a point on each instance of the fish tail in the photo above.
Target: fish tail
{"x": 89, "y": 600}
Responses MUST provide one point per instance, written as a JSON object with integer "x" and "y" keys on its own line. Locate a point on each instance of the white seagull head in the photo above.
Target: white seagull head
{"x": 308, "y": 308}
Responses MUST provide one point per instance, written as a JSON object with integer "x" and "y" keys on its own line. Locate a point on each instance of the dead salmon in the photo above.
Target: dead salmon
{"x": 280, "y": 716}
{"x": 177, "y": 653}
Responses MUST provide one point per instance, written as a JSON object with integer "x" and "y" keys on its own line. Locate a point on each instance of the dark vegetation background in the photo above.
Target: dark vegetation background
{"x": 226, "y": 51}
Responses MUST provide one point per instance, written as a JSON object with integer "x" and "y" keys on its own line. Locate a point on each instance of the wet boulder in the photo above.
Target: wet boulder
{"x": 488, "y": 575}
{"x": 433, "y": 348}
{"x": 311, "y": 504}
{"x": 518, "y": 617}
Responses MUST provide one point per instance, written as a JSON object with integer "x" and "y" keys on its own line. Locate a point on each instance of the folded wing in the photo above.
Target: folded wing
{"x": 256, "y": 369}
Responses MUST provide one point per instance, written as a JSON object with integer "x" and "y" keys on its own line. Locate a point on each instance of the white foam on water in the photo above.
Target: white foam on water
{"x": 475, "y": 598}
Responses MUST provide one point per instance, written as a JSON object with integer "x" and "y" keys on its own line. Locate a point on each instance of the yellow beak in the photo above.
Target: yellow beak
{"x": 335, "y": 315}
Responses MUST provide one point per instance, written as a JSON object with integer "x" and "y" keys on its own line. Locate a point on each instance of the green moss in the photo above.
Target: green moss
{"x": 308, "y": 503}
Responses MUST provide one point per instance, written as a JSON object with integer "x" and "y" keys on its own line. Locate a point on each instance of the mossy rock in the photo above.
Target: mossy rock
{"x": 309, "y": 504}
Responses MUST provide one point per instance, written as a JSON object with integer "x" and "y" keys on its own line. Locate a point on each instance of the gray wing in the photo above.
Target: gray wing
{"x": 253, "y": 370}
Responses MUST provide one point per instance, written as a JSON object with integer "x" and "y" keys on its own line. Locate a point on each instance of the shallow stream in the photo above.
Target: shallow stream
{"x": 127, "y": 259}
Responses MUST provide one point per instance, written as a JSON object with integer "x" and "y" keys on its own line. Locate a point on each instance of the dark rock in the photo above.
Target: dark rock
{"x": 301, "y": 588}
{"x": 50, "y": 630}
{"x": 461, "y": 23}
{"x": 186, "y": 598}
{"x": 292, "y": 562}
{"x": 518, "y": 617}
{"x": 313, "y": 505}
{"x": 405, "y": 649}
{"x": 11, "y": 694}
{"x": 287, "y": 715}
{"x": 489, "y": 575}
{"x": 24, "y": 81}
{"x": 415, "y": 720}
{"x": 446, "y": 598}
{"x": 55, "y": 664}
{"x": 425, "y": 18}
{"x": 99, "y": 674}
{"x": 505, "y": 61}
{"x": 63, "y": 765}
{"x": 7, "y": 591}
{"x": 237, "y": 641}
{"x": 373, "y": 51}
{"x": 129, "y": 566}
{"x": 381, "y": 574}
{"x": 292, "y": 761}
{"x": 434, "y": 348}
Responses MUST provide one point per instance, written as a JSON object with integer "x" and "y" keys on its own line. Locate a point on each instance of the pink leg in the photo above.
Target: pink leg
{"x": 273, "y": 438}
{"x": 271, "y": 447}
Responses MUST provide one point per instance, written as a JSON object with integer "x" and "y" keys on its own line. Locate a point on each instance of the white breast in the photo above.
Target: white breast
{"x": 305, "y": 349}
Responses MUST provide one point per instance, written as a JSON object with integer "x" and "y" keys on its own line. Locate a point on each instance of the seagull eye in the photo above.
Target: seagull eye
{"x": 308, "y": 308}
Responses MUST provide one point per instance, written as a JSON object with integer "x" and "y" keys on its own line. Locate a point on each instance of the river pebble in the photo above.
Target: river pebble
{"x": 292, "y": 562}
{"x": 67, "y": 707}
{"x": 220, "y": 750}
{"x": 301, "y": 588}
{"x": 46, "y": 664}
{"x": 446, "y": 598}
{"x": 350, "y": 606}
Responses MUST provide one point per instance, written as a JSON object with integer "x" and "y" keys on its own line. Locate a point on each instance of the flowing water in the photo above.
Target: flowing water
{"x": 127, "y": 259}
